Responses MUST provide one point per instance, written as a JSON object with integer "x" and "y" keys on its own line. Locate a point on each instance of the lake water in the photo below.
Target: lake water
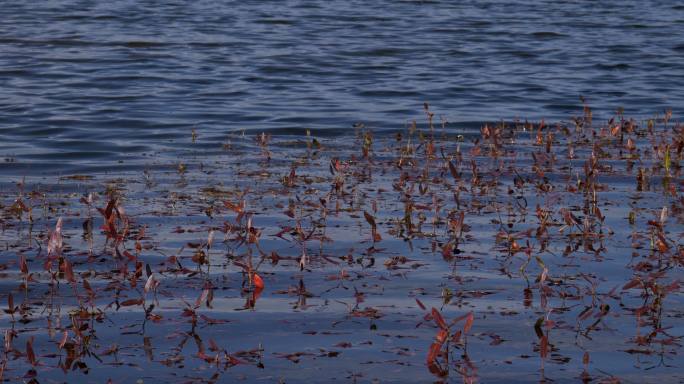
{"x": 95, "y": 86}
{"x": 243, "y": 197}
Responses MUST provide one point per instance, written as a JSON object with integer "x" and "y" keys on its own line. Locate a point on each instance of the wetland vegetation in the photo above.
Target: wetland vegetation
{"x": 525, "y": 251}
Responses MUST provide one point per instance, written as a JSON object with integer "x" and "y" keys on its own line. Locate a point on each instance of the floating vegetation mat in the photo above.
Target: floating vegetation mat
{"x": 521, "y": 252}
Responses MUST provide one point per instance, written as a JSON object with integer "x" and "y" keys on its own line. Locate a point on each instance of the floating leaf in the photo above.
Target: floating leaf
{"x": 131, "y": 302}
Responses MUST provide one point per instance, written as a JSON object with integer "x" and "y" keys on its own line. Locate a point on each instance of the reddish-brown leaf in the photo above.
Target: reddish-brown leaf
{"x": 202, "y": 298}
{"x": 369, "y": 218}
{"x": 65, "y": 337}
{"x": 442, "y": 336}
{"x": 130, "y": 256}
{"x": 9, "y": 335}
{"x": 22, "y": 264}
{"x": 454, "y": 172}
{"x": 447, "y": 250}
{"x": 88, "y": 288}
{"x": 456, "y": 337}
{"x": 439, "y": 320}
{"x": 433, "y": 352}
{"x": 30, "y": 355}
{"x": 130, "y": 302}
{"x": 631, "y": 284}
{"x": 213, "y": 346}
{"x": 258, "y": 282}
{"x": 69, "y": 272}
{"x": 469, "y": 323}
{"x": 544, "y": 347}
{"x": 10, "y": 302}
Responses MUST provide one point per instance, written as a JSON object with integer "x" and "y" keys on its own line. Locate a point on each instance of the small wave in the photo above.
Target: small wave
{"x": 143, "y": 44}
{"x": 543, "y": 35}
{"x": 613, "y": 67}
{"x": 274, "y": 21}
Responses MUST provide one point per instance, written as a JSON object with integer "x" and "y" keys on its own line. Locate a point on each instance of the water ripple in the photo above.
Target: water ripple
{"x": 73, "y": 80}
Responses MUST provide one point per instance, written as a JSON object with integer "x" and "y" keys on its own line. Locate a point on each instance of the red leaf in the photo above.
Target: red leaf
{"x": 130, "y": 256}
{"x": 469, "y": 323}
{"x": 454, "y": 172}
{"x": 442, "y": 336}
{"x": 9, "y": 335}
{"x": 22, "y": 264}
{"x": 258, "y": 282}
{"x": 63, "y": 342}
{"x": 544, "y": 347}
{"x": 439, "y": 320}
{"x": 420, "y": 304}
{"x": 69, "y": 272}
{"x": 631, "y": 284}
{"x": 88, "y": 288}
{"x": 203, "y": 297}
{"x": 130, "y": 302}
{"x": 456, "y": 337}
{"x": 434, "y": 350}
{"x": 110, "y": 207}
{"x": 213, "y": 346}
{"x": 447, "y": 250}
{"x": 234, "y": 361}
{"x": 30, "y": 355}
{"x": 369, "y": 218}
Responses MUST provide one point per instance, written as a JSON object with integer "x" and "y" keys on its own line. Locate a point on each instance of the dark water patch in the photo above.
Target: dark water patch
{"x": 621, "y": 48}
{"x": 563, "y": 107}
{"x": 86, "y": 17}
{"x": 159, "y": 135}
{"x": 518, "y": 53}
{"x": 126, "y": 80}
{"x": 457, "y": 52}
{"x": 380, "y": 52}
{"x": 142, "y": 44}
{"x": 11, "y": 166}
{"x": 15, "y": 72}
{"x": 41, "y": 131}
{"x": 70, "y": 155}
{"x": 272, "y": 69}
{"x": 275, "y": 21}
{"x": 547, "y": 35}
{"x": 640, "y": 26}
{"x": 389, "y": 93}
{"x": 46, "y": 42}
{"x": 613, "y": 67}
{"x": 340, "y": 131}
